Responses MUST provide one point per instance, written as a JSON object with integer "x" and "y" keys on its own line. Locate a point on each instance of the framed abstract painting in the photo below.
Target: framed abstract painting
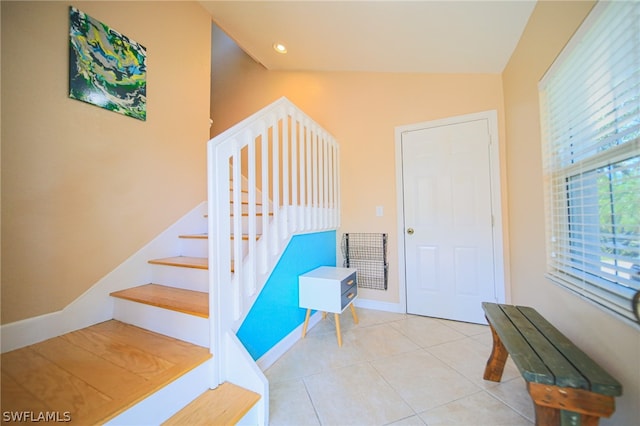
{"x": 106, "y": 68}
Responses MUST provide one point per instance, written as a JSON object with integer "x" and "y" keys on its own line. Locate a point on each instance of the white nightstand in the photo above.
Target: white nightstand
{"x": 328, "y": 289}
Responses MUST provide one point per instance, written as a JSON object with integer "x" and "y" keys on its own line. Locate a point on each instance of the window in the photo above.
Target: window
{"x": 590, "y": 114}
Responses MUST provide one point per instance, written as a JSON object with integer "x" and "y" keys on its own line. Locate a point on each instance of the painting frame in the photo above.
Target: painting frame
{"x": 106, "y": 68}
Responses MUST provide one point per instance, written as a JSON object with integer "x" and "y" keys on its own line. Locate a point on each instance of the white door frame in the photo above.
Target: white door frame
{"x": 496, "y": 200}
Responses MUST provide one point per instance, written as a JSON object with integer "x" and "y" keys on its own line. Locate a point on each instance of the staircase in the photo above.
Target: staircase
{"x": 176, "y": 304}
{"x": 168, "y": 351}
{"x": 150, "y": 364}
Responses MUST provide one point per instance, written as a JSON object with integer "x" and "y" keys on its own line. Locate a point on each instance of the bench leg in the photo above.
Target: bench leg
{"x": 546, "y": 416}
{"x": 556, "y": 405}
{"x": 497, "y": 359}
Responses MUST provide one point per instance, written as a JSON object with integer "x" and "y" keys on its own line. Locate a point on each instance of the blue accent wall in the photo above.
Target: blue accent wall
{"x": 275, "y": 313}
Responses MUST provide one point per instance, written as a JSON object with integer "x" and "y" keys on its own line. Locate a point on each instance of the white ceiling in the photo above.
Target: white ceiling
{"x": 426, "y": 36}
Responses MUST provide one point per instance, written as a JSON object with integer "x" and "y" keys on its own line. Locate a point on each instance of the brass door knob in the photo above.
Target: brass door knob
{"x": 410, "y": 231}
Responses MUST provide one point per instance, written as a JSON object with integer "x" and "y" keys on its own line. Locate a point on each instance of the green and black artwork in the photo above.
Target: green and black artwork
{"x": 106, "y": 68}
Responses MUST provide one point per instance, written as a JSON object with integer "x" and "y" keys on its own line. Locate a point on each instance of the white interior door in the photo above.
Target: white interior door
{"x": 448, "y": 220}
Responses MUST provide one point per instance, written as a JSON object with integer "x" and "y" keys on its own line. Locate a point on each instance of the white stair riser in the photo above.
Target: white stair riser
{"x": 252, "y": 417}
{"x": 243, "y": 194}
{"x": 161, "y": 405}
{"x": 245, "y": 208}
{"x": 194, "y": 247}
{"x": 178, "y": 325}
{"x": 245, "y": 224}
{"x": 245, "y": 248}
{"x": 199, "y": 247}
{"x": 180, "y": 277}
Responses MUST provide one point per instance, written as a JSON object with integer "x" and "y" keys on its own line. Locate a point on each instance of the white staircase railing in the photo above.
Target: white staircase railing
{"x": 275, "y": 174}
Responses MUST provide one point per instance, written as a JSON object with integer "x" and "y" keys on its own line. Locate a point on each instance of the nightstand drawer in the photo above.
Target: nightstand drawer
{"x": 328, "y": 289}
{"x": 349, "y": 283}
{"x": 348, "y": 296}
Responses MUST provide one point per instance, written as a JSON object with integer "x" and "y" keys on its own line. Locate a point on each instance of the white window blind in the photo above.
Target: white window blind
{"x": 590, "y": 115}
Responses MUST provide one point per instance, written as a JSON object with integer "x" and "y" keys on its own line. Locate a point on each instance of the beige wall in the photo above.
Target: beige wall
{"x": 609, "y": 341}
{"x": 361, "y": 110}
{"x": 83, "y": 188}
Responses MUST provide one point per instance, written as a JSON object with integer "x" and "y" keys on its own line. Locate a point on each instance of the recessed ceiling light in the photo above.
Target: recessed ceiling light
{"x": 279, "y": 47}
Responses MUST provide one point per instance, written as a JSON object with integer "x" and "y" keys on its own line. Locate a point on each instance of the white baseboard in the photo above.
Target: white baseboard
{"x": 285, "y": 344}
{"x": 380, "y": 306}
{"x": 95, "y": 305}
{"x": 269, "y": 358}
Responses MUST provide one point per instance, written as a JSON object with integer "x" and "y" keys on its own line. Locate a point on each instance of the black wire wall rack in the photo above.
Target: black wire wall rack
{"x": 367, "y": 252}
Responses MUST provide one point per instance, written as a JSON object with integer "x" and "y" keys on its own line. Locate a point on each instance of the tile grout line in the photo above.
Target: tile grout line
{"x": 315, "y": 409}
{"x": 395, "y": 390}
{"x": 509, "y": 405}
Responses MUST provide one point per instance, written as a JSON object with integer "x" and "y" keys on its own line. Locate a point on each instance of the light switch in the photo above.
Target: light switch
{"x": 379, "y": 211}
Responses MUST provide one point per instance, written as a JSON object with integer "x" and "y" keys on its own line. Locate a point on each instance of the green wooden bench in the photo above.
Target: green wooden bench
{"x": 566, "y": 386}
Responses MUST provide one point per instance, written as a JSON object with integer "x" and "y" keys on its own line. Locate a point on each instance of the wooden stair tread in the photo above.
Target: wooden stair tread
{"x": 95, "y": 373}
{"x": 245, "y": 214}
{"x": 206, "y": 236}
{"x": 258, "y": 203}
{"x": 172, "y": 298}
{"x": 225, "y": 405}
{"x": 183, "y": 261}
{"x": 245, "y": 237}
{"x": 203, "y": 236}
{"x": 257, "y": 214}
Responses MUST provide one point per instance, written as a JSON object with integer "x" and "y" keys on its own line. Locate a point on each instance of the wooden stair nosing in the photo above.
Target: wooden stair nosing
{"x": 180, "y": 261}
{"x": 183, "y": 261}
{"x": 242, "y": 190}
{"x": 203, "y": 236}
{"x": 245, "y": 237}
{"x": 247, "y": 203}
{"x": 206, "y": 236}
{"x": 257, "y": 214}
{"x": 224, "y": 405}
{"x": 175, "y": 299}
{"x": 206, "y": 216}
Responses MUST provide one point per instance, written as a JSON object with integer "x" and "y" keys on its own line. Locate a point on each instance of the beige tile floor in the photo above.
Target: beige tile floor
{"x": 394, "y": 369}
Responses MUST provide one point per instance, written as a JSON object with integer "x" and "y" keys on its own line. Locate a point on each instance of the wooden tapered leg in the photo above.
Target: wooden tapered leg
{"x": 546, "y": 416}
{"x": 353, "y": 312}
{"x": 306, "y": 323}
{"x": 497, "y": 359}
{"x": 337, "y": 318}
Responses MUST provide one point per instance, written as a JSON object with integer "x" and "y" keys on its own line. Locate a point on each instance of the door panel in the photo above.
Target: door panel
{"x": 449, "y": 258}
{"x": 427, "y": 268}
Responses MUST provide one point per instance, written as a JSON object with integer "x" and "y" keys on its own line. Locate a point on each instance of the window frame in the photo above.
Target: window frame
{"x": 566, "y": 265}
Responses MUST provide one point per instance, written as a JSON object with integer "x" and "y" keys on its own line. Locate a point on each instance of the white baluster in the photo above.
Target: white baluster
{"x": 237, "y": 229}
{"x": 275, "y": 182}
{"x": 286, "y": 130}
{"x": 266, "y": 208}
{"x": 252, "y": 214}
{"x": 295, "y": 173}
